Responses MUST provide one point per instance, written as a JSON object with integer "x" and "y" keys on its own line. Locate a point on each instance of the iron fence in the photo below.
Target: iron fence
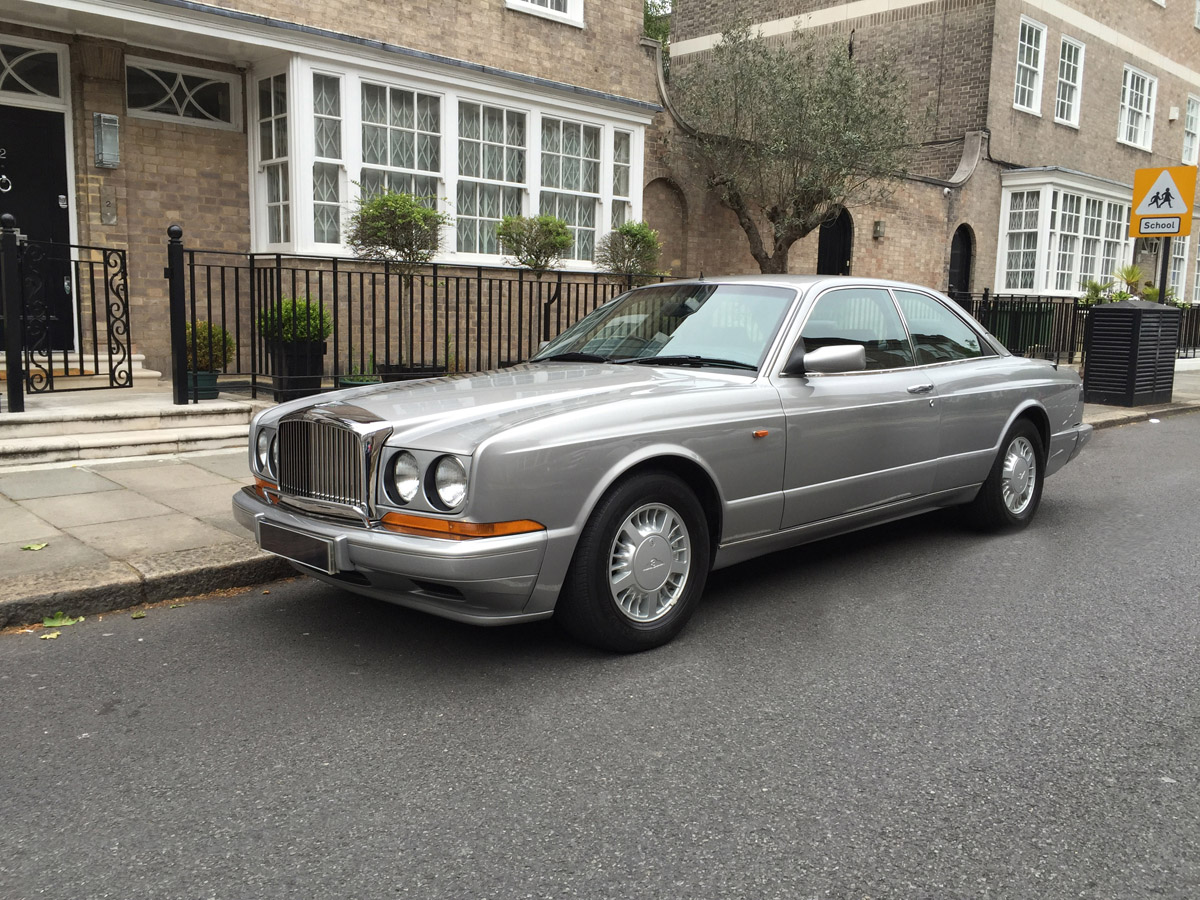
{"x": 383, "y": 323}
{"x": 1052, "y": 327}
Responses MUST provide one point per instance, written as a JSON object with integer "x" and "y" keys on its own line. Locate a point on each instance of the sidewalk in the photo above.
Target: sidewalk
{"x": 119, "y": 533}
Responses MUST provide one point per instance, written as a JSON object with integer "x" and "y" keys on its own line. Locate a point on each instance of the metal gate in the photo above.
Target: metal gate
{"x": 87, "y": 347}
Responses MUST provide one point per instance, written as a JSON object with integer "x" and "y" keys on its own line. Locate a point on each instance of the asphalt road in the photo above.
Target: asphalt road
{"x": 915, "y": 712}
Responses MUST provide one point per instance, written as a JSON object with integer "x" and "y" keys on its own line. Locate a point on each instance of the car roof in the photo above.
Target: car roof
{"x": 801, "y": 282}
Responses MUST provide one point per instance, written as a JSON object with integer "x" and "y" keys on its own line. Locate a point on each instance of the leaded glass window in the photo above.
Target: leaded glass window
{"x": 273, "y": 153}
{"x": 327, "y": 169}
{"x": 165, "y": 92}
{"x": 571, "y": 179}
{"x": 1021, "y": 259}
{"x": 32, "y": 71}
{"x": 621, "y": 207}
{"x": 491, "y": 169}
{"x": 401, "y": 141}
{"x": 1178, "y": 268}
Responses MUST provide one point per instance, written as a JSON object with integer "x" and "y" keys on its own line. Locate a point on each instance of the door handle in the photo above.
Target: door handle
{"x": 920, "y": 389}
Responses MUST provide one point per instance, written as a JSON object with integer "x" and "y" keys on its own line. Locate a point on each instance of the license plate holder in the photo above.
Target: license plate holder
{"x": 297, "y": 546}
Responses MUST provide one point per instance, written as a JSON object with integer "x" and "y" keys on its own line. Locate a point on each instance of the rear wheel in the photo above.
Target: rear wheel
{"x": 639, "y": 568}
{"x": 1010, "y": 496}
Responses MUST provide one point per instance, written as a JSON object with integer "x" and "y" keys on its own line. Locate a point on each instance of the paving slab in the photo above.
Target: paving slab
{"x": 158, "y": 477}
{"x": 27, "y": 485}
{"x": 61, "y": 554}
{"x": 93, "y": 509}
{"x": 21, "y": 525}
{"x": 200, "y": 502}
{"x": 172, "y": 532}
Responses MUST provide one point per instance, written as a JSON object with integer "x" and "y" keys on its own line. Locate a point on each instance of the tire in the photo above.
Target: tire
{"x": 639, "y": 568}
{"x": 1009, "y": 497}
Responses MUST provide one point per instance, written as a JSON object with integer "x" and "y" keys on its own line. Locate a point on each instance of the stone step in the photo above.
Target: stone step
{"x": 111, "y": 419}
{"x": 23, "y": 451}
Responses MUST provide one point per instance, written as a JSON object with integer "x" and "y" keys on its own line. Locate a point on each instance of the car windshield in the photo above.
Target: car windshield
{"x": 684, "y": 324}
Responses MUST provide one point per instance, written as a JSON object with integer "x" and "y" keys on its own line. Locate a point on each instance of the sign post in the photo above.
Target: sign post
{"x": 1162, "y": 207}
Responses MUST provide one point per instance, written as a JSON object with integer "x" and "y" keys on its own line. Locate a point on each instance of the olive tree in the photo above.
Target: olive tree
{"x": 790, "y": 133}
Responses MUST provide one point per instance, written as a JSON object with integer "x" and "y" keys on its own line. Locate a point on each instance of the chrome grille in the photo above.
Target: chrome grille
{"x": 321, "y": 461}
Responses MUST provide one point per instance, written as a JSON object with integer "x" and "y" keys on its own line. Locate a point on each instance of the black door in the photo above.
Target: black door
{"x": 835, "y": 244}
{"x": 33, "y": 188}
{"x": 960, "y": 262}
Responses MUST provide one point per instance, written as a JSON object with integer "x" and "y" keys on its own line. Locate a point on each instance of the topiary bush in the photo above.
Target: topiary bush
{"x": 294, "y": 320}
{"x": 632, "y": 248}
{"x": 536, "y": 242}
{"x": 396, "y": 227}
{"x": 210, "y": 347}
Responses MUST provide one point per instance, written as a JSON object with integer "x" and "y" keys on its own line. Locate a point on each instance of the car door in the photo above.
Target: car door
{"x": 970, "y": 379}
{"x": 857, "y": 440}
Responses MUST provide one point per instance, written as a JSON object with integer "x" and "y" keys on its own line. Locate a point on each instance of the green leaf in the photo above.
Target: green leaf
{"x": 35, "y": 546}
{"x": 59, "y": 619}
{"x": 50, "y": 636}
{"x": 140, "y": 614}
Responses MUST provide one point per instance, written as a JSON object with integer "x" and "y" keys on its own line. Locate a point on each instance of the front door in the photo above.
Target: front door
{"x": 33, "y": 188}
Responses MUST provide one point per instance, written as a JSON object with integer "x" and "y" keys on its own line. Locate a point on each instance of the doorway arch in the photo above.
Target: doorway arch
{"x": 835, "y": 245}
{"x": 962, "y": 260}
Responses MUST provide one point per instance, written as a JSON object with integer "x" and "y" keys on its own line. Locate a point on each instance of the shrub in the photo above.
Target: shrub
{"x": 292, "y": 321}
{"x": 631, "y": 248}
{"x": 209, "y": 347}
{"x": 395, "y": 227}
{"x": 536, "y": 242}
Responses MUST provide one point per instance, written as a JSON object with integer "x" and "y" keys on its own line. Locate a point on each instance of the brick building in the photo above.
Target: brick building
{"x": 1039, "y": 113}
{"x": 252, "y": 123}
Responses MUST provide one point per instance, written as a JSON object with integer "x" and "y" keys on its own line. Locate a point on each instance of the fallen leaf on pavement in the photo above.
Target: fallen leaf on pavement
{"x": 50, "y": 636}
{"x": 58, "y": 620}
{"x": 137, "y": 615}
{"x": 35, "y": 546}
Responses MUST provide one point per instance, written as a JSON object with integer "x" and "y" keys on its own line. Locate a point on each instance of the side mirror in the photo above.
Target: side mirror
{"x": 826, "y": 360}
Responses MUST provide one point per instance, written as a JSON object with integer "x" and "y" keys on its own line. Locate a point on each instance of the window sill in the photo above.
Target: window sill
{"x": 1037, "y": 113}
{"x": 1133, "y": 146}
{"x": 1066, "y": 124}
{"x": 543, "y": 12}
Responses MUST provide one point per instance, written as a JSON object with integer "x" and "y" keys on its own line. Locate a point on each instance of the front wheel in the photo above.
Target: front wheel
{"x": 639, "y": 568}
{"x": 1010, "y": 496}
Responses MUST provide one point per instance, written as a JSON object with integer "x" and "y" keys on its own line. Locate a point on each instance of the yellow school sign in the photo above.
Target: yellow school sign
{"x": 1162, "y": 202}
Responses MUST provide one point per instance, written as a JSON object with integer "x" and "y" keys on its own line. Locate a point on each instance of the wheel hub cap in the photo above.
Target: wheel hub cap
{"x": 1020, "y": 476}
{"x": 649, "y": 562}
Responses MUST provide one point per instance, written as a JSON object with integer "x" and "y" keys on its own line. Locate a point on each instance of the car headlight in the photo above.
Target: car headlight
{"x": 450, "y": 481}
{"x": 266, "y": 451}
{"x": 406, "y": 476}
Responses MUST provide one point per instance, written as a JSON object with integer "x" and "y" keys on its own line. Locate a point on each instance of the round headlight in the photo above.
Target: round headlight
{"x": 262, "y": 450}
{"x": 273, "y": 455}
{"x": 406, "y": 476}
{"x": 450, "y": 481}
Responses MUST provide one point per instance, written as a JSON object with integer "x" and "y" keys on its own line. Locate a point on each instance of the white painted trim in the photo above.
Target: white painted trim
{"x": 573, "y": 16}
{"x": 1034, "y": 108}
{"x": 61, "y": 103}
{"x": 1071, "y": 123}
{"x": 1070, "y": 17}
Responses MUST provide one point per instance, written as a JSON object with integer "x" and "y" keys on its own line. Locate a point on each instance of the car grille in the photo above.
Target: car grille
{"x": 321, "y": 461}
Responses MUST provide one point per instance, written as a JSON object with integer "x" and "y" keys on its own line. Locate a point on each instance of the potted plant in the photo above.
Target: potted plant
{"x": 357, "y": 376}
{"x": 536, "y": 242}
{"x": 294, "y": 330}
{"x": 406, "y": 232}
{"x": 210, "y": 348}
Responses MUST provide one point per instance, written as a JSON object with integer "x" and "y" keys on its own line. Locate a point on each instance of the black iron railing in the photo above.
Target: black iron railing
{"x": 382, "y": 322}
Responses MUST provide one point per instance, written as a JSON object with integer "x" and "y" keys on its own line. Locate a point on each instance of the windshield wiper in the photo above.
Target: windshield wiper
{"x": 573, "y": 356}
{"x": 695, "y": 361}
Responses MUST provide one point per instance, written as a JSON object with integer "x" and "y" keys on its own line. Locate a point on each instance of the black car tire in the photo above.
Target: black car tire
{"x": 648, "y": 527}
{"x": 1009, "y": 497}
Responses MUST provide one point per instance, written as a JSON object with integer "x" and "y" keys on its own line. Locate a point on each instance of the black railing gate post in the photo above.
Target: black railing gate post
{"x": 178, "y": 312}
{"x": 10, "y": 300}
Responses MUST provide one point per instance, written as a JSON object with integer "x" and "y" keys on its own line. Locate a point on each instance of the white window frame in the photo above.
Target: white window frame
{"x": 534, "y": 105}
{"x": 1177, "y": 268}
{"x": 231, "y": 79}
{"x": 1076, "y": 86}
{"x": 1144, "y": 139}
{"x": 1191, "y": 130}
{"x": 504, "y": 186}
{"x": 1093, "y": 240}
{"x": 309, "y": 103}
{"x": 1196, "y": 271}
{"x": 1032, "y": 69}
{"x": 260, "y": 167}
{"x": 573, "y": 15}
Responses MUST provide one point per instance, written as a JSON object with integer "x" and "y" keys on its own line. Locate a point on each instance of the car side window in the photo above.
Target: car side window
{"x": 864, "y": 316}
{"x": 937, "y": 333}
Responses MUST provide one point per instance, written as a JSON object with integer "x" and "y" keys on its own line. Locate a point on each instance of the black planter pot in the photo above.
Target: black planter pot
{"x": 202, "y": 385}
{"x": 297, "y": 368}
{"x": 399, "y": 372}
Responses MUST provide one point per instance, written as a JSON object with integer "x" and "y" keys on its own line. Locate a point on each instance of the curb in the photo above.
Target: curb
{"x": 117, "y": 585}
{"x": 1141, "y": 415}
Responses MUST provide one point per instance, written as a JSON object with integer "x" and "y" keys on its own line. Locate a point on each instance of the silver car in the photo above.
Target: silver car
{"x": 680, "y": 428}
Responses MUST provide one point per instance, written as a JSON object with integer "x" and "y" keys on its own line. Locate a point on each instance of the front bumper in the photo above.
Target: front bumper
{"x": 482, "y": 581}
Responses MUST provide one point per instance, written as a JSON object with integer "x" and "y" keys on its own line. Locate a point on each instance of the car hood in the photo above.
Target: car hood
{"x": 456, "y": 413}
